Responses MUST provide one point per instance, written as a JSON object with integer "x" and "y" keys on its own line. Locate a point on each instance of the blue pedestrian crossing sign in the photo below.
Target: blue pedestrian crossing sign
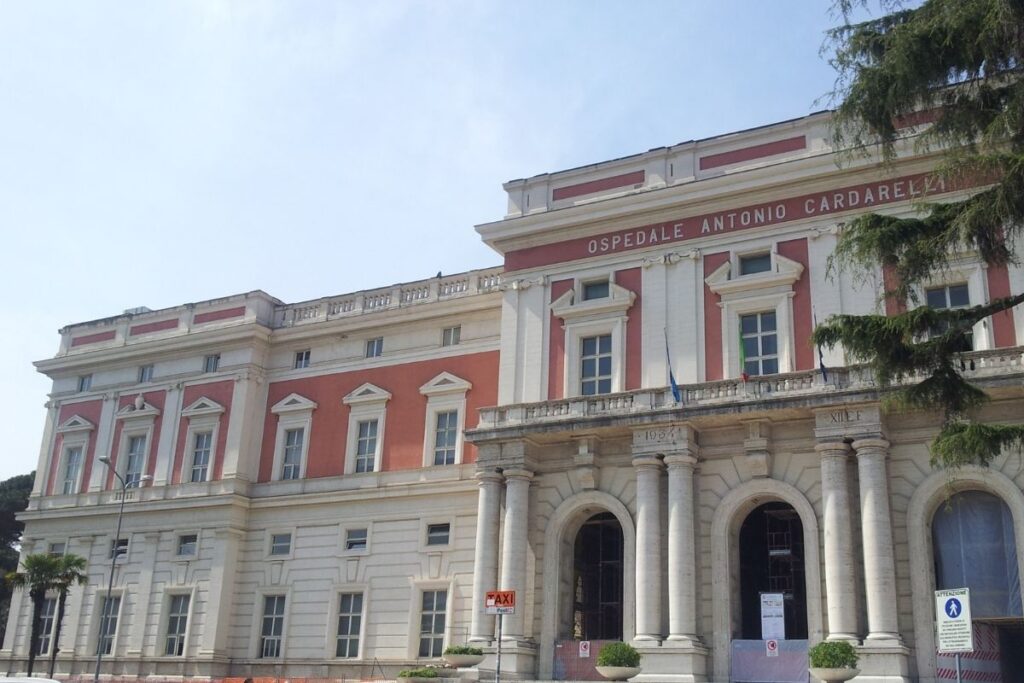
{"x": 953, "y": 621}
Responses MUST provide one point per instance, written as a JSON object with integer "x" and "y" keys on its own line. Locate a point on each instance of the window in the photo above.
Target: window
{"x": 136, "y": 460}
{"x": 302, "y": 359}
{"x": 597, "y": 289}
{"x": 366, "y": 446}
{"x": 273, "y": 626}
{"x": 108, "y": 623}
{"x": 57, "y": 549}
{"x": 755, "y": 263}
{"x": 292, "y": 463}
{"x": 187, "y": 545}
{"x": 450, "y": 336}
{"x": 84, "y": 383}
{"x": 350, "y": 619}
{"x": 438, "y": 534}
{"x": 950, "y": 297}
{"x": 374, "y": 347}
{"x": 145, "y": 374}
{"x": 177, "y": 621}
{"x": 120, "y": 546}
{"x": 596, "y": 365}
{"x": 72, "y": 468}
{"x": 280, "y": 544}
{"x": 46, "y": 619}
{"x": 201, "y": 455}
{"x": 446, "y": 435}
{"x": 211, "y": 363}
{"x": 432, "y": 618}
{"x": 355, "y": 539}
{"x": 759, "y": 349}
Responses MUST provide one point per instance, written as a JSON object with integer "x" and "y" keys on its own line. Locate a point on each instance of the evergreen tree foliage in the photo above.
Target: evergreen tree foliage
{"x": 948, "y": 75}
{"x": 14, "y": 493}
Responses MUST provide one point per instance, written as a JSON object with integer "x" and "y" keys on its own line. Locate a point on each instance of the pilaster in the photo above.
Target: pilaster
{"x": 104, "y": 442}
{"x": 245, "y": 427}
{"x": 143, "y": 597}
{"x": 46, "y": 450}
{"x": 222, "y": 591}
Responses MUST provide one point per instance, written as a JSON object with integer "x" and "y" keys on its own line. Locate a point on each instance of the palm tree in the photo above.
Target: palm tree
{"x": 70, "y": 572}
{"x": 39, "y": 571}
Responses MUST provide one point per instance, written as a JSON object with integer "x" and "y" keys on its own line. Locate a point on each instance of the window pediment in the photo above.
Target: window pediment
{"x": 203, "y": 406}
{"x": 138, "y": 409}
{"x": 783, "y": 275}
{"x": 293, "y": 403}
{"x": 445, "y": 383}
{"x": 367, "y": 393}
{"x": 75, "y": 423}
{"x": 618, "y": 301}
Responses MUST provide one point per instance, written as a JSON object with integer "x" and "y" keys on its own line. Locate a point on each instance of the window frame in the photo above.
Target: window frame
{"x": 346, "y": 530}
{"x": 366, "y": 402}
{"x": 97, "y": 627}
{"x": 294, "y": 411}
{"x": 257, "y": 632}
{"x": 166, "y": 617}
{"x": 204, "y": 415}
{"x": 333, "y": 636}
{"x": 145, "y": 374}
{"x": 445, "y": 393}
{"x": 47, "y": 634}
{"x": 75, "y": 432}
{"x": 424, "y": 531}
{"x": 302, "y": 359}
{"x": 415, "y": 616}
{"x": 374, "y": 347}
{"x": 451, "y": 336}
{"x": 972, "y": 272}
{"x": 135, "y": 422}
{"x": 211, "y": 363}
{"x": 186, "y": 557}
{"x": 759, "y": 335}
{"x": 269, "y": 547}
{"x": 83, "y": 383}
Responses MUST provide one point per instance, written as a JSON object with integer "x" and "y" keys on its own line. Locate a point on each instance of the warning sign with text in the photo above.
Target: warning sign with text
{"x": 953, "y": 620}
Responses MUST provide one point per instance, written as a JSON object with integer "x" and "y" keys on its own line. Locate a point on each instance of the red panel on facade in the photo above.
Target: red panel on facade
{"x": 155, "y": 399}
{"x": 893, "y": 306}
{"x": 404, "y": 423}
{"x": 569, "y": 191}
{"x": 1004, "y": 333}
{"x": 632, "y": 279}
{"x": 713, "y": 321}
{"x": 93, "y": 338}
{"x": 796, "y": 250}
{"x": 153, "y": 327}
{"x": 556, "y": 345}
{"x": 221, "y": 392}
{"x": 90, "y": 410}
{"x": 222, "y": 314}
{"x": 753, "y": 152}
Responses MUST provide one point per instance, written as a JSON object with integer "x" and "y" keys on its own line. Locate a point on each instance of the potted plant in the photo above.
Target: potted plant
{"x": 461, "y": 656}
{"x": 618, "y": 661}
{"x": 424, "y": 674}
{"x": 833, "y": 661}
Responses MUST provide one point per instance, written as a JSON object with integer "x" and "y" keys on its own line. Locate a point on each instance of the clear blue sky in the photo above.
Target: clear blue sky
{"x": 156, "y": 153}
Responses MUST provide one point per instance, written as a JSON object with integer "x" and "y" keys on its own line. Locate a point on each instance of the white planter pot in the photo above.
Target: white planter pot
{"x": 462, "y": 661}
{"x": 833, "y": 675}
{"x": 618, "y": 673}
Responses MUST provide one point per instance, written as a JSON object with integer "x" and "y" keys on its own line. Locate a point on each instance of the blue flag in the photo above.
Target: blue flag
{"x": 676, "y": 393}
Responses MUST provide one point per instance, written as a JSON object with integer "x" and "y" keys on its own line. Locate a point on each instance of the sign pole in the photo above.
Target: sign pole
{"x": 497, "y": 667}
{"x": 958, "y": 680}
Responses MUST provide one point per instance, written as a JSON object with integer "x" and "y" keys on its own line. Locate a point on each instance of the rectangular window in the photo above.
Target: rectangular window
{"x": 120, "y": 546}
{"x": 596, "y": 365}
{"x": 57, "y": 549}
{"x": 280, "y": 544}
{"x": 201, "y": 445}
{"x": 760, "y": 350}
{"x": 446, "y": 434}
{"x": 438, "y": 534}
{"x": 187, "y": 545}
{"x": 755, "y": 263}
{"x": 302, "y": 359}
{"x": 273, "y": 626}
{"x": 291, "y": 464}
{"x": 145, "y": 374}
{"x": 136, "y": 460}
{"x": 374, "y": 347}
{"x": 350, "y": 620}
{"x": 451, "y": 336}
{"x": 211, "y": 363}
{"x": 108, "y": 624}
{"x": 432, "y": 623}
{"x": 84, "y": 383}
{"x": 355, "y": 539}
{"x": 72, "y": 466}
{"x": 595, "y": 290}
{"x": 46, "y": 618}
{"x": 950, "y": 297}
{"x": 177, "y": 621}
{"x": 366, "y": 446}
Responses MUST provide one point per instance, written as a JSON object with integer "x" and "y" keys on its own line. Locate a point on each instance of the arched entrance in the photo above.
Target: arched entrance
{"x": 772, "y": 563}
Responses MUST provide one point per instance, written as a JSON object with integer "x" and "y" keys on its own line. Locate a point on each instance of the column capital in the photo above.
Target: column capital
{"x": 487, "y": 476}
{"x": 518, "y": 474}
{"x": 871, "y": 445}
{"x": 683, "y": 460}
{"x": 647, "y": 462}
{"x": 832, "y": 449}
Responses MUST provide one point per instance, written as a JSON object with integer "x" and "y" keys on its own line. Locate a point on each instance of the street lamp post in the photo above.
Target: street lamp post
{"x": 115, "y": 553}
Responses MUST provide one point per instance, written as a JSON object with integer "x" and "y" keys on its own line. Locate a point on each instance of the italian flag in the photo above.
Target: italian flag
{"x": 743, "y": 359}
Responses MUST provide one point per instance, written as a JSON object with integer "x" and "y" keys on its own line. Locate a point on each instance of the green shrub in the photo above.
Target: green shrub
{"x": 422, "y": 672}
{"x": 833, "y": 654}
{"x": 618, "y": 654}
{"x": 462, "y": 650}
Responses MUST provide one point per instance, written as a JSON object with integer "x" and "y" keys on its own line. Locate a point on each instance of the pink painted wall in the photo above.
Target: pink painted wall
{"x": 556, "y": 345}
{"x": 632, "y": 279}
{"x": 91, "y": 411}
{"x": 220, "y": 392}
{"x": 712, "y": 321}
{"x": 796, "y": 250}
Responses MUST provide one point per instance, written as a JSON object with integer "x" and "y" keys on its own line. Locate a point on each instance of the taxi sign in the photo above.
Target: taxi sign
{"x": 953, "y": 619}
{"x": 500, "y": 602}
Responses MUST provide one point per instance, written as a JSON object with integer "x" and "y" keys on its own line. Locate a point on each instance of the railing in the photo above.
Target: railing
{"x": 980, "y": 366}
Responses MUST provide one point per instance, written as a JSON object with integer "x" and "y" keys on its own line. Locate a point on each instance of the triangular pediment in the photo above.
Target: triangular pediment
{"x": 75, "y": 423}
{"x": 138, "y": 408}
{"x": 783, "y": 274}
{"x": 445, "y": 383}
{"x": 618, "y": 301}
{"x": 293, "y": 403}
{"x": 202, "y": 406}
{"x": 367, "y": 393}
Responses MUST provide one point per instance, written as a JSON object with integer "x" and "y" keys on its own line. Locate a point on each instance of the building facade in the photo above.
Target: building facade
{"x": 329, "y": 488}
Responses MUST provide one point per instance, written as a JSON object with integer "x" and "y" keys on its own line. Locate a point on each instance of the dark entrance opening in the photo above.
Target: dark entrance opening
{"x": 597, "y": 580}
{"x": 772, "y": 561}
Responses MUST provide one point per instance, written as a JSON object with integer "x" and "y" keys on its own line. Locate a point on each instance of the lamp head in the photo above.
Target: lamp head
{"x": 105, "y": 459}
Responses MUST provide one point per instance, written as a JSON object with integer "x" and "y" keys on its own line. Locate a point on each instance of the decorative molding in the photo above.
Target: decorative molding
{"x": 204, "y": 406}
{"x": 293, "y": 403}
{"x": 618, "y": 301}
{"x": 785, "y": 272}
{"x": 445, "y": 383}
{"x": 75, "y": 423}
{"x": 366, "y": 393}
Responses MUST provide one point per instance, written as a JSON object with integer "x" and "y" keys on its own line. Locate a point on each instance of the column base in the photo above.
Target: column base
{"x": 847, "y": 637}
{"x": 673, "y": 661}
{"x": 518, "y": 660}
{"x": 888, "y": 663}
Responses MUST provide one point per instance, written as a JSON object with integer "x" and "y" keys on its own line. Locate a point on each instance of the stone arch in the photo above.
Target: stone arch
{"x": 730, "y": 513}
{"x": 561, "y": 531}
{"x": 927, "y": 498}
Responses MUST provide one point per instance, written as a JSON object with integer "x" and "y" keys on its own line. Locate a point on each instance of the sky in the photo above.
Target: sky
{"x": 157, "y": 153}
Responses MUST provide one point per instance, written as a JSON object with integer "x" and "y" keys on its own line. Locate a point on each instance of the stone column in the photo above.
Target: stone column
{"x": 682, "y": 560}
{"x": 648, "y": 547}
{"x": 46, "y": 451}
{"x": 485, "y": 565}
{"x": 876, "y": 528}
{"x": 240, "y": 459}
{"x": 514, "y": 547}
{"x": 839, "y": 580}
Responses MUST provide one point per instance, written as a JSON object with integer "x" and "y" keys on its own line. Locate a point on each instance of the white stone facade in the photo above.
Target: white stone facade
{"x": 420, "y": 445}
